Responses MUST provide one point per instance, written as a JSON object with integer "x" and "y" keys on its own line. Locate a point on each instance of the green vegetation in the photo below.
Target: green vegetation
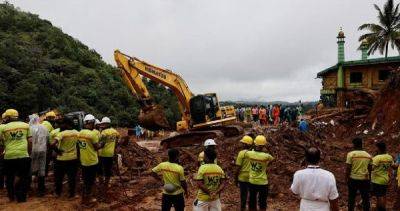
{"x": 42, "y": 68}
{"x": 386, "y": 32}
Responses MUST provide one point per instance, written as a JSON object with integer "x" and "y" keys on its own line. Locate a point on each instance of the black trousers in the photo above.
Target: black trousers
{"x": 244, "y": 190}
{"x": 177, "y": 201}
{"x": 260, "y": 192}
{"x": 19, "y": 168}
{"x": 89, "y": 178}
{"x": 359, "y": 185}
{"x": 2, "y": 173}
{"x": 62, "y": 168}
{"x": 105, "y": 166}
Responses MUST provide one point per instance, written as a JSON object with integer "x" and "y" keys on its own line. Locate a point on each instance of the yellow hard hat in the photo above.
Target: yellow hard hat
{"x": 260, "y": 140}
{"x": 3, "y": 116}
{"x": 247, "y": 140}
{"x": 11, "y": 113}
{"x": 50, "y": 114}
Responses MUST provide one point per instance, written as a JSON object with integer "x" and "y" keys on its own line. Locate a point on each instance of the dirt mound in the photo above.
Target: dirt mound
{"x": 385, "y": 114}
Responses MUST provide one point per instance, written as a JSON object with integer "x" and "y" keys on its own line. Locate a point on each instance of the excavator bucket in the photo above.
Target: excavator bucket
{"x": 153, "y": 118}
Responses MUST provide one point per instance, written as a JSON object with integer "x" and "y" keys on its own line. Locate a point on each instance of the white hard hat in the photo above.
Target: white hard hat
{"x": 210, "y": 142}
{"x": 89, "y": 117}
{"x": 106, "y": 120}
{"x": 96, "y": 121}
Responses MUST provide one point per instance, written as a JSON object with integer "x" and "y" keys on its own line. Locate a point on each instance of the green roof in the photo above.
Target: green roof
{"x": 360, "y": 63}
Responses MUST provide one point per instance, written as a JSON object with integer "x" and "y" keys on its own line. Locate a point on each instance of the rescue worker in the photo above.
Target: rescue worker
{"x": 381, "y": 165}
{"x": 4, "y": 121}
{"x": 138, "y": 132}
{"x": 247, "y": 114}
{"x": 88, "y": 141}
{"x": 16, "y": 143}
{"x": 97, "y": 127}
{"x": 358, "y": 168}
{"x": 110, "y": 137}
{"x": 50, "y": 157}
{"x": 243, "y": 169}
{"x": 174, "y": 182}
{"x": 211, "y": 181}
{"x": 49, "y": 120}
{"x": 208, "y": 144}
{"x": 258, "y": 178}
{"x": 40, "y": 137}
{"x": 66, "y": 163}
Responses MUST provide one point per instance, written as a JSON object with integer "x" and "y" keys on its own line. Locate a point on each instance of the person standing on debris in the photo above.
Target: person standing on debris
{"x": 248, "y": 114}
{"x": 276, "y": 113}
{"x": 258, "y": 178}
{"x": 208, "y": 144}
{"x": 303, "y": 126}
{"x": 263, "y": 115}
{"x": 138, "y": 131}
{"x": 254, "y": 113}
{"x": 65, "y": 144}
{"x": 174, "y": 182}
{"x": 382, "y": 163}
{"x": 40, "y": 137}
{"x": 241, "y": 114}
{"x": 243, "y": 169}
{"x": 358, "y": 169}
{"x": 211, "y": 181}
{"x": 49, "y": 120}
{"x": 88, "y": 141}
{"x": 16, "y": 145}
{"x": 4, "y": 121}
{"x": 110, "y": 137}
{"x": 315, "y": 186}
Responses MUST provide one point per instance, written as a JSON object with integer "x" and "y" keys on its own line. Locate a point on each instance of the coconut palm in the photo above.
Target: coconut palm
{"x": 386, "y": 32}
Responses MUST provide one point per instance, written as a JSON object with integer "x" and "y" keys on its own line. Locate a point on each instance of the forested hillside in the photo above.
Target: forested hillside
{"x": 41, "y": 67}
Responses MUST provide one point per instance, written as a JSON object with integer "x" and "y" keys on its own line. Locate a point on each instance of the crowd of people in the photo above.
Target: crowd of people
{"x": 27, "y": 151}
{"x": 315, "y": 186}
{"x": 270, "y": 114}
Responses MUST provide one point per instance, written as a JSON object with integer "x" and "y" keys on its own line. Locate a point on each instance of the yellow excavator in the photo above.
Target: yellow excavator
{"x": 202, "y": 115}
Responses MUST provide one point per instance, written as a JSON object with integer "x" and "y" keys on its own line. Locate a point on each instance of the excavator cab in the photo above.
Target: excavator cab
{"x": 204, "y": 108}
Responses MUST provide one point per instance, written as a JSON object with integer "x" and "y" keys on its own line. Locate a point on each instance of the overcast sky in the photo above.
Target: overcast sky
{"x": 242, "y": 50}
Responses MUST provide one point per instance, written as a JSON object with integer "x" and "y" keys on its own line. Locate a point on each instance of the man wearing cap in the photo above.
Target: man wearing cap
{"x": 66, "y": 163}
{"x": 211, "y": 181}
{"x": 110, "y": 137}
{"x": 49, "y": 122}
{"x": 258, "y": 179}
{"x": 243, "y": 169}
{"x": 174, "y": 182}
{"x": 16, "y": 141}
{"x": 315, "y": 186}
{"x": 88, "y": 141}
{"x": 208, "y": 144}
{"x": 358, "y": 168}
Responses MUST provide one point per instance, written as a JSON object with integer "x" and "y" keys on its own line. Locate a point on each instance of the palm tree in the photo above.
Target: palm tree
{"x": 386, "y": 32}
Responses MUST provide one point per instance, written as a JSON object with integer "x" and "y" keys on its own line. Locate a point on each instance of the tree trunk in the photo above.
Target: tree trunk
{"x": 387, "y": 48}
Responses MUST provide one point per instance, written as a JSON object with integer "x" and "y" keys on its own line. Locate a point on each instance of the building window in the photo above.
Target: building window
{"x": 356, "y": 77}
{"x": 383, "y": 75}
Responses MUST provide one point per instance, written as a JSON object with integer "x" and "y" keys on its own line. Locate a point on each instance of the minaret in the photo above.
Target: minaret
{"x": 364, "y": 49}
{"x": 340, "y": 42}
{"x": 340, "y": 98}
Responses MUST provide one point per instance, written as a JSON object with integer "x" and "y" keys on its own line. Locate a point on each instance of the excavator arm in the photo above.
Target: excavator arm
{"x": 133, "y": 68}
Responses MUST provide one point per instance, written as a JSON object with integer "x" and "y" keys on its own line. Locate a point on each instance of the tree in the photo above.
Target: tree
{"x": 386, "y": 32}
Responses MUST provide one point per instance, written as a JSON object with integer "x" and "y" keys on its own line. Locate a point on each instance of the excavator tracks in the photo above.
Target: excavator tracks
{"x": 198, "y": 136}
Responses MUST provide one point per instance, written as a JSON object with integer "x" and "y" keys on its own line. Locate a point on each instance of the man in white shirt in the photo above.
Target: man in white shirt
{"x": 316, "y": 187}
